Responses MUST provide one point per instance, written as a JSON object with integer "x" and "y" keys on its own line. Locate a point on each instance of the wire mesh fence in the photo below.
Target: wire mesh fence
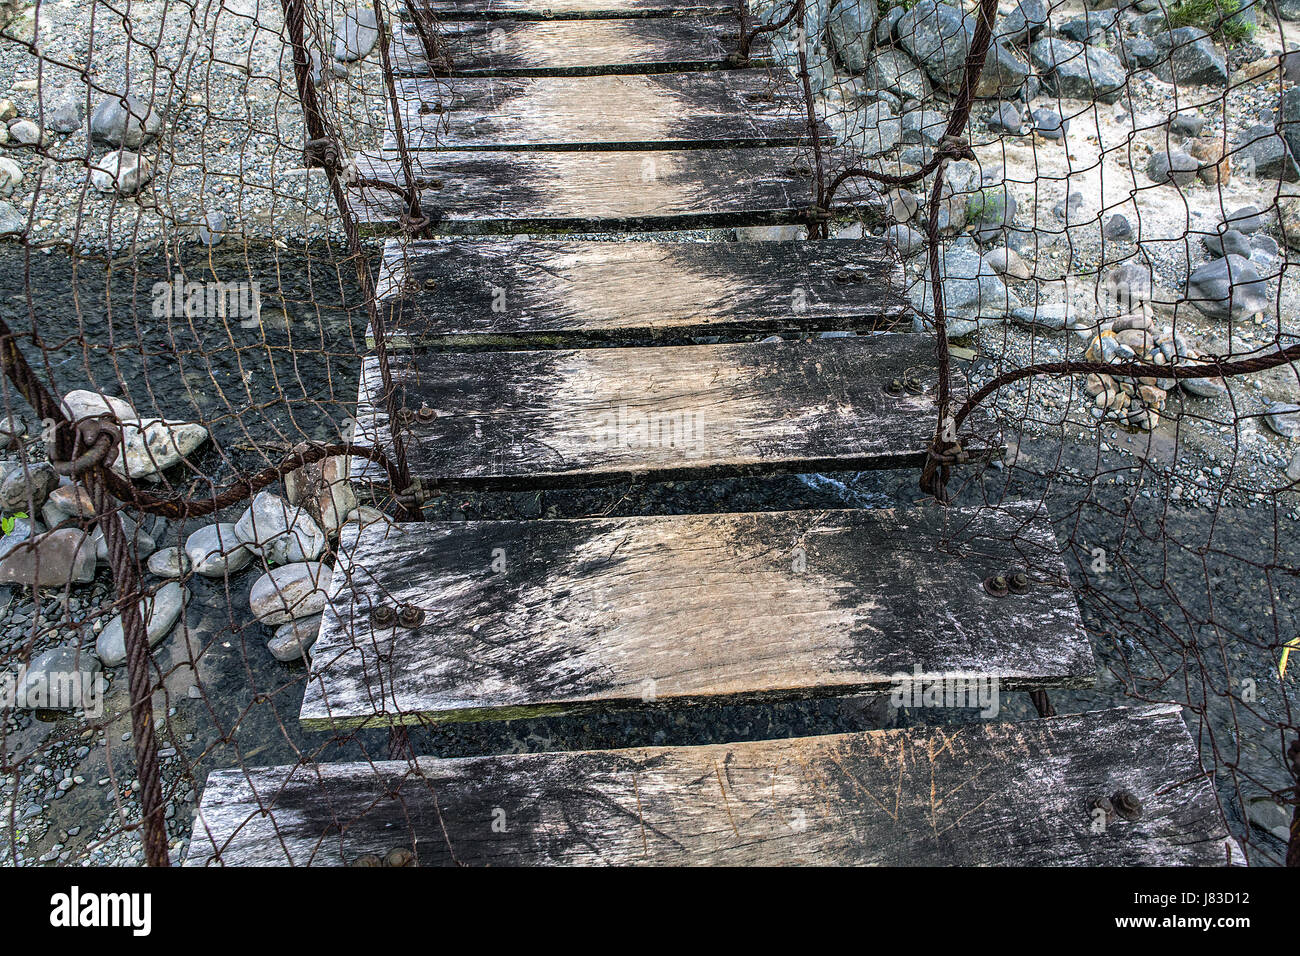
{"x": 1094, "y": 208}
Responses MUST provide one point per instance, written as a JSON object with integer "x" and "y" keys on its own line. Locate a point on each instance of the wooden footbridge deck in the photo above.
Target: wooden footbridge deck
{"x": 523, "y": 363}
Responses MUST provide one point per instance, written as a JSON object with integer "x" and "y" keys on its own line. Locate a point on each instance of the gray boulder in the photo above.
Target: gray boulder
{"x": 1188, "y": 56}
{"x": 355, "y": 37}
{"x": 1172, "y": 165}
{"x": 160, "y": 612}
{"x": 849, "y": 30}
{"x": 1049, "y": 124}
{"x": 130, "y": 124}
{"x": 938, "y": 37}
{"x": 971, "y": 292}
{"x": 1261, "y": 152}
{"x": 1227, "y": 288}
{"x": 924, "y": 126}
{"x": 895, "y": 71}
{"x": 1230, "y": 243}
{"x": 1023, "y": 23}
{"x": 1077, "y": 70}
{"x": 1092, "y": 23}
{"x": 1007, "y": 119}
{"x": 59, "y": 679}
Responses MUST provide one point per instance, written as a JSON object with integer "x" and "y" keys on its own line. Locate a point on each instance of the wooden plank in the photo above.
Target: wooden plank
{"x": 991, "y": 794}
{"x": 481, "y": 192}
{"x": 551, "y": 291}
{"x": 577, "y": 47}
{"x": 527, "y": 618}
{"x": 658, "y": 111}
{"x": 570, "y": 417}
{"x": 450, "y": 10}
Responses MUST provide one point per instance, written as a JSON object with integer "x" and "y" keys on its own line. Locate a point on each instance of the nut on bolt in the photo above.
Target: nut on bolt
{"x": 1127, "y": 805}
{"x": 382, "y": 616}
{"x": 996, "y": 585}
{"x": 1018, "y": 582}
{"x": 408, "y": 615}
{"x": 1105, "y": 806}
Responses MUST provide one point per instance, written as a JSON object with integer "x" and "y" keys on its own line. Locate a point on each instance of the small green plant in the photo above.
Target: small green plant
{"x": 1218, "y": 18}
{"x": 8, "y": 521}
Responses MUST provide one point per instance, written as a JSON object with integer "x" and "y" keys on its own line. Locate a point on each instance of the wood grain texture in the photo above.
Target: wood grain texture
{"x": 992, "y": 794}
{"x": 577, "y": 47}
{"x": 537, "y": 617}
{"x": 658, "y": 111}
{"x": 590, "y": 416}
{"x": 496, "y": 291}
{"x": 484, "y": 192}
{"x": 570, "y": 9}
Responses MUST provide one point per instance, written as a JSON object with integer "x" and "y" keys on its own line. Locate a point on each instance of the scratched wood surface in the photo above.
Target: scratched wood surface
{"x": 567, "y": 417}
{"x": 576, "y": 47}
{"x": 524, "y": 618}
{"x": 989, "y": 794}
{"x": 656, "y": 111}
{"x": 569, "y": 9}
{"x": 547, "y": 291}
{"x": 484, "y": 192}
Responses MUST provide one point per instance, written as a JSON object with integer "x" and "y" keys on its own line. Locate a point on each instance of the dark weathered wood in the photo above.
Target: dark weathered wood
{"x": 599, "y": 191}
{"x": 451, "y": 10}
{"x": 577, "y": 47}
{"x": 993, "y": 794}
{"x": 524, "y": 618}
{"x": 589, "y": 416}
{"x": 547, "y": 292}
{"x": 657, "y": 111}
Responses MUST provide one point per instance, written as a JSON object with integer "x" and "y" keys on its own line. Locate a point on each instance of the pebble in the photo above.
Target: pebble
{"x": 290, "y": 592}
{"x": 160, "y": 610}
{"x": 215, "y": 550}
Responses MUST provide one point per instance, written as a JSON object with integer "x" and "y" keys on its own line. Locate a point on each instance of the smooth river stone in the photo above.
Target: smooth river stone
{"x": 52, "y": 559}
{"x": 280, "y": 532}
{"x": 294, "y": 639}
{"x": 215, "y": 550}
{"x": 290, "y": 592}
{"x": 160, "y": 611}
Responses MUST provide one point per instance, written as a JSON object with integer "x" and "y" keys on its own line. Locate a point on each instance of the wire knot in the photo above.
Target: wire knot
{"x": 97, "y": 439}
{"x": 322, "y": 153}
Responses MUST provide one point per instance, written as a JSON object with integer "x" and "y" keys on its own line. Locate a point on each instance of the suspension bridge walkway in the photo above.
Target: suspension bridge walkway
{"x": 523, "y": 362}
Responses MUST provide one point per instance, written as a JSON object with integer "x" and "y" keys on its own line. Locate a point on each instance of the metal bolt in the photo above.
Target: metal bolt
{"x": 1018, "y": 582}
{"x": 399, "y": 857}
{"x": 895, "y": 387}
{"x": 427, "y": 414}
{"x": 1127, "y": 805}
{"x": 408, "y": 615}
{"x": 996, "y": 585}
{"x": 1104, "y": 804}
{"x": 405, "y": 417}
{"x": 368, "y": 859}
{"x": 382, "y": 616}
{"x": 431, "y": 283}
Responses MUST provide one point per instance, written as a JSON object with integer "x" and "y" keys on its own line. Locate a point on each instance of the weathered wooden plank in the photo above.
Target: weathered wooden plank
{"x": 524, "y": 618}
{"x": 481, "y": 192}
{"x": 450, "y": 10}
{"x": 991, "y": 794}
{"x": 589, "y": 416}
{"x": 496, "y": 291}
{"x": 577, "y": 47}
{"x": 657, "y": 111}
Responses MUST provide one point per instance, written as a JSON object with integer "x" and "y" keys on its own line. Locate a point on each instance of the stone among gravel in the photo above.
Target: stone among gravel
{"x": 1228, "y": 288}
{"x": 1052, "y": 316}
{"x": 53, "y": 559}
{"x": 73, "y": 500}
{"x": 1261, "y": 152}
{"x": 290, "y": 592}
{"x": 280, "y": 532}
{"x": 1078, "y": 70}
{"x": 1246, "y": 220}
{"x": 25, "y": 487}
{"x": 23, "y": 529}
{"x": 971, "y": 292}
{"x": 121, "y": 172}
{"x": 152, "y": 445}
{"x": 1092, "y": 23}
{"x": 1007, "y": 262}
{"x": 1231, "y": 242}
{"x": 1117, "y": 227}
{"x": 1282, "y": 417}
{"x": 127, "y": 122}
{"x": 213, "y": 229}
{"x": 355, "y": 37}
{"x": 924, "y": 126}
{"x": 141, "y": 540}
{"x": 294, "y": 639}
{"x": 1188, "y": 57}
{"x": 67, "y": 115}
{"x": 1007, "y": 118}
{"x": 11, "y": 176}
{"x": 62, "y": 678}
{"x": 1049, "y": 124}
{"x": 160, "y": 611}
{"x": 12, "y": 222}
{"x": 1187, "y": 123}
{"x": 1004, "y": 73}
{"x": 82, "y": 403}
{"x": 169, "y": 562}
{"x": 908, "y": 240}
{"x": 878, "y": 130}
{"x": 215, "y": 550}
{"x": 1173, "y": 165}
{"x": 25, "y": 132}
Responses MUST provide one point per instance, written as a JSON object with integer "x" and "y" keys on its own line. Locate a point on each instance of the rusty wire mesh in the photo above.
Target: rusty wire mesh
{"x": 213, "y": 273}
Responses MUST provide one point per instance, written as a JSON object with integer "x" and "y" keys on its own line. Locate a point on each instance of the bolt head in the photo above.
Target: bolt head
{"x": 996, "y": 585}
{"x": 382, "y": 616}
{"x": 1127, "y": 804}
{"x": 410, "y": 616}
{"x": 1018, "y": 582}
